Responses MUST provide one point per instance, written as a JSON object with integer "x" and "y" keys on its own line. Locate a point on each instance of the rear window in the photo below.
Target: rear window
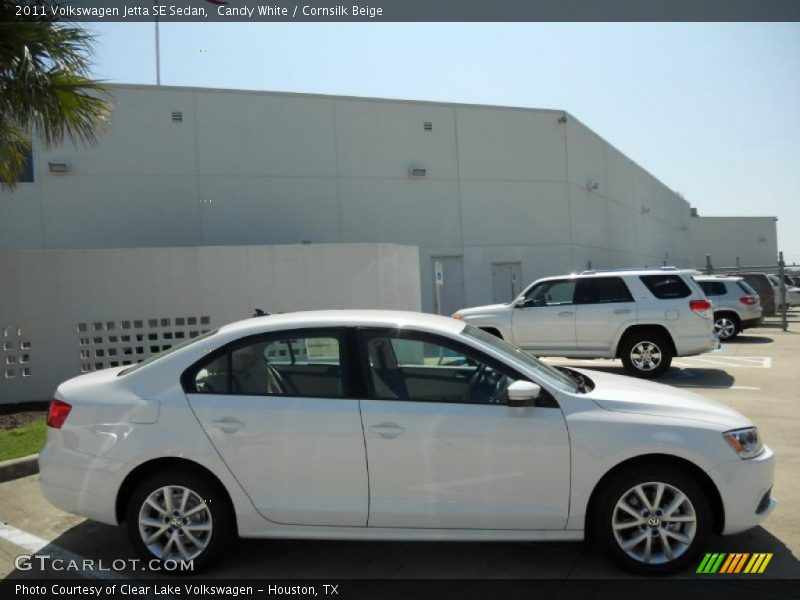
{"x": 602, "y": 290}
{"x": 665, "y": 287}
{"x": 164, "y": 353}
{"x": 713, "y": 288}
{"x": 747, "y": 288}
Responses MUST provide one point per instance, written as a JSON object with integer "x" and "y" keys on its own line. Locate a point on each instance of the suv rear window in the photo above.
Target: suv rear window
{"x": 665, "y": 287}
{"x": 747, "y": 288}
{"x": 713, "y": 288}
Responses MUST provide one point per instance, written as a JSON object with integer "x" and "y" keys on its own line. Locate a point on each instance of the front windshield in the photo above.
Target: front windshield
{"x": 549, "y": 374}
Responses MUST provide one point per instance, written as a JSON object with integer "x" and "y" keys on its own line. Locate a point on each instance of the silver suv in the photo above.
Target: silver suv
{"x": 736, "y": 304}
{"x": 644, "y": 316}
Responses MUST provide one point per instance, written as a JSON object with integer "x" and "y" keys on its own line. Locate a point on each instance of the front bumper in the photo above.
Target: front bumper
{"x": 745, "y": 487}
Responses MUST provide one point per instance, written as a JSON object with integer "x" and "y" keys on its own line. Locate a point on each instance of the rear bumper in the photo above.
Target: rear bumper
{"x": 78, "y": 483}
{"x": 693, "y": 345}
{"x": 745, "y": 487}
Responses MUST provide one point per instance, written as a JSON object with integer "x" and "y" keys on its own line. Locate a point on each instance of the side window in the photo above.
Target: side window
{"x": 425, "y": 368}
{"x": 602, "y": 290}
{"x": 292, "y": 365}
{"x": 551, "y": 293}
{"x": 666, "y": 287}
{"x": 713, "y": 288}
{"x": 212, "y": 377}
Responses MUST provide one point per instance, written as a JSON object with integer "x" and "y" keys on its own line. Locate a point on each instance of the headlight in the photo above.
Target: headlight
{"x": 745, "y": 442}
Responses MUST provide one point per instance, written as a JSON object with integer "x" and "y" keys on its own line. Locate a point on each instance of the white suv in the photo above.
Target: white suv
{"x": 644, "y": 316}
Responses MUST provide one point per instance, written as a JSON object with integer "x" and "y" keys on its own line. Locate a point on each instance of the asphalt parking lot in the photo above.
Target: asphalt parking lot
{"x": 756, "y": 374}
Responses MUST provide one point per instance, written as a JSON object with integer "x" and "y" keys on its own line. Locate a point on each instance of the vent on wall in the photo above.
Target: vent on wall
{"x": 428, "y": 125}
{"x": 177, "y": 116}
{"x": 116, "y": 343}
{"x": 15, "y": 350}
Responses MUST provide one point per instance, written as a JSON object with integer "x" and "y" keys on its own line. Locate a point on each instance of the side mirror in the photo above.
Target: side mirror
{"x": 522, "y": 303}
{"x": 523, "y": 393}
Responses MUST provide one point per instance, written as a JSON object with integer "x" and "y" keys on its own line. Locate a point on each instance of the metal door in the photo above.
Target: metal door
{"x": 506, "y": 279}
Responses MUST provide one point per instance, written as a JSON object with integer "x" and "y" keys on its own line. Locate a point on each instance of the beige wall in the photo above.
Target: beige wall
{"x": 752, "y": 239}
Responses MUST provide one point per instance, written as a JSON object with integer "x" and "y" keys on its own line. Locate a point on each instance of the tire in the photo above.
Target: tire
{"x": 646, "y": 354}
{"x": 207, "y": 520}
{"x": 726, "y": 326}
{"x": 674, "y": 544}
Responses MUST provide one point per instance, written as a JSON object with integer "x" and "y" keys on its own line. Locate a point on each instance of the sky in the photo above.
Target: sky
{"x": 710, "y": 109}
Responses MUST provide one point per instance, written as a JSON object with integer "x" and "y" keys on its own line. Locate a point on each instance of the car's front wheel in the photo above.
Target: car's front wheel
{"x": 175, "y": 516}
{"x": 647, "y": 354}
{"x": 652, "y": 520}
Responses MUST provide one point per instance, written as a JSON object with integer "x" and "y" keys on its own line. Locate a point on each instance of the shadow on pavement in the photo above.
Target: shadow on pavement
{"x": 750, "y": 339}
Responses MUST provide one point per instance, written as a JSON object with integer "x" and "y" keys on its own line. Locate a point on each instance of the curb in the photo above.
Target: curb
{"x": 19, "y": 467}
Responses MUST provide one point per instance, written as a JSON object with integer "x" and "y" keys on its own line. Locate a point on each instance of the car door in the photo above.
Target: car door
{"x": 604, "y": 307}
{"x": 544, "y": 322}
{"x": 277, "y": 409}
{"x": 445, "y": 451}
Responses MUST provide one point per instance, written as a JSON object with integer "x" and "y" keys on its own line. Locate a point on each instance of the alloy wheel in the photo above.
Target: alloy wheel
{"x": 654, "y": 523}
{"x": 175, "y": 523}
{"x": 724, "y": 328}
{"x": 646, "y": 356}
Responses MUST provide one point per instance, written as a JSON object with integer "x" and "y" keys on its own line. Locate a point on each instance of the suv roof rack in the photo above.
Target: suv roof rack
{"x": 593, "y": 271}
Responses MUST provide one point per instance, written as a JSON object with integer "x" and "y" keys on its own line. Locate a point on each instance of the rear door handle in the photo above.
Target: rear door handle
{"x": 387, "y": 430}
{"x": 622, "y": 311}
{"x": 228, "y": 425}
{"x": 566, "y": 313}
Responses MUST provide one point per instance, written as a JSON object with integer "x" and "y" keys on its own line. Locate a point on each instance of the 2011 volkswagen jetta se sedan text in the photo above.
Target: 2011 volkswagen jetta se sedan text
{"x": 396, "y": 426}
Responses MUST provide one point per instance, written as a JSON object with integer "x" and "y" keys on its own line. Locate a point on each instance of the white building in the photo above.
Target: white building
{"x": 500, "y": 196}
{"x": 750, "y": 241}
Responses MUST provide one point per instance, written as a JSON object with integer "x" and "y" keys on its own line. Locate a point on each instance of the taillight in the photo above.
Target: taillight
{"x": 58, "y": 413}
{"x": 749, "y": 300}
{"x": 701, "y": 308}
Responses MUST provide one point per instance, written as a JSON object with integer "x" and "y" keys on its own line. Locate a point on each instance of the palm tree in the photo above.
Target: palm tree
{"x": 45, "y": 90}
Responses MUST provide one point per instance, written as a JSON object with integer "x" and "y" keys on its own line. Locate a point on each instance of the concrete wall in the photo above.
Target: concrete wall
{"x": 502, "y": 184}
{"x": 64, "y": 312}
{"x": 754, "y": 240}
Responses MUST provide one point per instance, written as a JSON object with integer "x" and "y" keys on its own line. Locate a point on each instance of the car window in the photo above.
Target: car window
{"x": 665, "y": 287}
{"x": 421, "y": 367}
{"x": 713, "y": 288}
{"x": 602, "y": 290}
{"x": 292, "y": 365}
{"x": 551, "y": 293}
{"x": 747, "y": 288}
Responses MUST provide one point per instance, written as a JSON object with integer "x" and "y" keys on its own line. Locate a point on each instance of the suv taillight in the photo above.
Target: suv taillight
{"x": 701, "y": 308}
{"x": 749, "y": 300}
{"x": 58, "y": 413}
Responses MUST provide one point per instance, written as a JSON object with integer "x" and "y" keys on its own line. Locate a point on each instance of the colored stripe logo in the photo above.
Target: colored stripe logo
{"x": 734, "y": 563}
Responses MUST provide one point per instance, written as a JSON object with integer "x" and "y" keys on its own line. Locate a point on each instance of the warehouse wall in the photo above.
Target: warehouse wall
{"x": 67, "y": 312}
{"x": 502, "y": 184}
{"x": 752, "y": 239}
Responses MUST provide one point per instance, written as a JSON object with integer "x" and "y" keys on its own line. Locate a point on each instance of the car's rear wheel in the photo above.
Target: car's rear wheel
{"x": 652, "y": 520}
{"x": 647, "y": 355}
{"x": 726, "y": 326}
{"x": 175, "y": 516}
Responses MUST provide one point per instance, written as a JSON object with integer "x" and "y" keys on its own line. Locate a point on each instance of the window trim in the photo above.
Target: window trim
{"x": 545, "y": 400}
{"x": 338, "y": 333}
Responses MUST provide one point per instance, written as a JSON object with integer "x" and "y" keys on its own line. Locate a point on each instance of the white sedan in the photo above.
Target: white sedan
{"x": 396, "y": 426}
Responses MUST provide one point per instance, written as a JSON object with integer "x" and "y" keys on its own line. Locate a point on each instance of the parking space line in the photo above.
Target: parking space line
{"x": 745, "y": 362}
{"x": 34, "y": 545}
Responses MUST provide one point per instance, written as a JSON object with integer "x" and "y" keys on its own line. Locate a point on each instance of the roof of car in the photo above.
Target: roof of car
{"x": 622, "y": 272}
{"x": 339, "y": 318}
{"x": 717, "y": 278}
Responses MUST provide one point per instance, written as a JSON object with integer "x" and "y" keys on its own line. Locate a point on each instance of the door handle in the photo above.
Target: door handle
{"x": 387, "y": 430}
{"x": 566, "y": 313}
{"x": 228, "y": 425}
{"x": 622, "y": 311}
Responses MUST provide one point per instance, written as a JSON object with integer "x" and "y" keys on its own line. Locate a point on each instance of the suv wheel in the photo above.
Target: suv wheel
{"x": 647, "y": 355}
{"x": 174, "y": 516}
{"x": 651, "y": 519}
{"x": 726, "y": 326}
